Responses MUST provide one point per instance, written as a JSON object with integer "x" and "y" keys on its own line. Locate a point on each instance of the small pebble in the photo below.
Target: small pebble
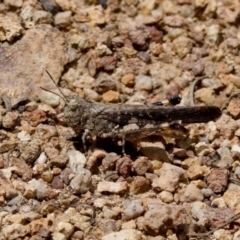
{"x": 144, "y": 83}
{"x": 128, "y": 80}
{"x": 14, "y": 201}
{"x": 192, "y": 194}
{"x": 132, "y": 209}
{"x": 24, "y": 136}
{"x": 14, "y": 3}
{"x": 169, "y": 178}
{"x": 142, "y": 165}
{"x": 207, "y": 192}
{"x": 41, "y": 159}
{"x": 166, "y": 197}
{"x": 82, "y": 181}
{"x": 63, "y": 19}
{"x": 65, "y": 228}
{"x": 236, "y": 148}
{"x": 217, "y": 180}
{"x": 111, "y": 96}
{"x": 128, "y": 234}
{"x": 139, "y": 185}
{"x": 198, "y": 209}
{"x": 77, "y": 160}
{"x": 10, "y": 120}
{"x": 219, "y": 202}
{"x": 112, "y": 187}
{"x": 123, "y": 166}
{"x": 49, "y": 98}
{"x": 111, "y": 213}
{"x": 39, "y": 185}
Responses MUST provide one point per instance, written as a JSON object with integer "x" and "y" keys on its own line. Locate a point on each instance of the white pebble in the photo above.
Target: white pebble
{"x": 7, "y": 173}
{"x": 14, "y": 201}
{"x": 39, "y": 184}
{"x": 235, "y": 148}
{"x": 82, "y": 181}
{"x": 24, "y": 136}
{"x": 128, "y": 234}
{"x": 49, "y": 98}
{"x": 112, "y": 187}
{"x": 63, "y": 18}
{"x": 41, "y": 159}
{"x": 77, "y": 160}
{"x": 132, "y": 209}
{"x": 166, "y": 197}
{"x": 198, "y": 209}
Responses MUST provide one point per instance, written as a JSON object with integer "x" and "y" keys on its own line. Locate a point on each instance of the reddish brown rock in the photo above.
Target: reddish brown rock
{"x": 94, "y": 158}
{"x": 35, "y": 117}
{"x": 109, "y": 162}
{"x": 139, "y": 185}
{"x": 1, "y": 163}
{"x": 135, "y": 66}
{"x": 128, "y": 80}
{"x": 139, "y": 38}
{"x": 155, "y": 34}
{"x": 50, "y": 194}
{"x": 142, "y": 165}
{"x": 46, "y": 132}
{"x": 66, "y": 175}
{"x": 23, "y": 169}
{"x": 109, "y": 62}
{"x": 123, "y": 166}
{"x": 57, "y": 183}
{"x": 217, "y": 180}
{"x": 180, "y": 153}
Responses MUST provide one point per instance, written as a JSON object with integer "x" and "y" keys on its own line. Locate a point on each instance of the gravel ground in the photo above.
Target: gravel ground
{"x": 175, "y": 186}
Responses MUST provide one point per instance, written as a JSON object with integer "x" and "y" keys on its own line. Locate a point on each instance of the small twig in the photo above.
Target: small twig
{"x": 20, "y": 100}
{"x": 192, "y": 103}
{"x": 7, "y": 102}
{"x": 230, "y": 220}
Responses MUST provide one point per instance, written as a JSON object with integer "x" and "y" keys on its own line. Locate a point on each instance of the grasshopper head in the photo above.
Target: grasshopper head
{"x": 73, "y": 112}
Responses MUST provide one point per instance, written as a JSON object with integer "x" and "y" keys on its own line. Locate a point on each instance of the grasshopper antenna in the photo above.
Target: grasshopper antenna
{"x": 62, "y": 97}
{"x": 53, "y": 93}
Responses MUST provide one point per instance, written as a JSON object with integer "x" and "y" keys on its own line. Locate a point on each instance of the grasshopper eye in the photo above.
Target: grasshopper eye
{"x": 73, "y": 105}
